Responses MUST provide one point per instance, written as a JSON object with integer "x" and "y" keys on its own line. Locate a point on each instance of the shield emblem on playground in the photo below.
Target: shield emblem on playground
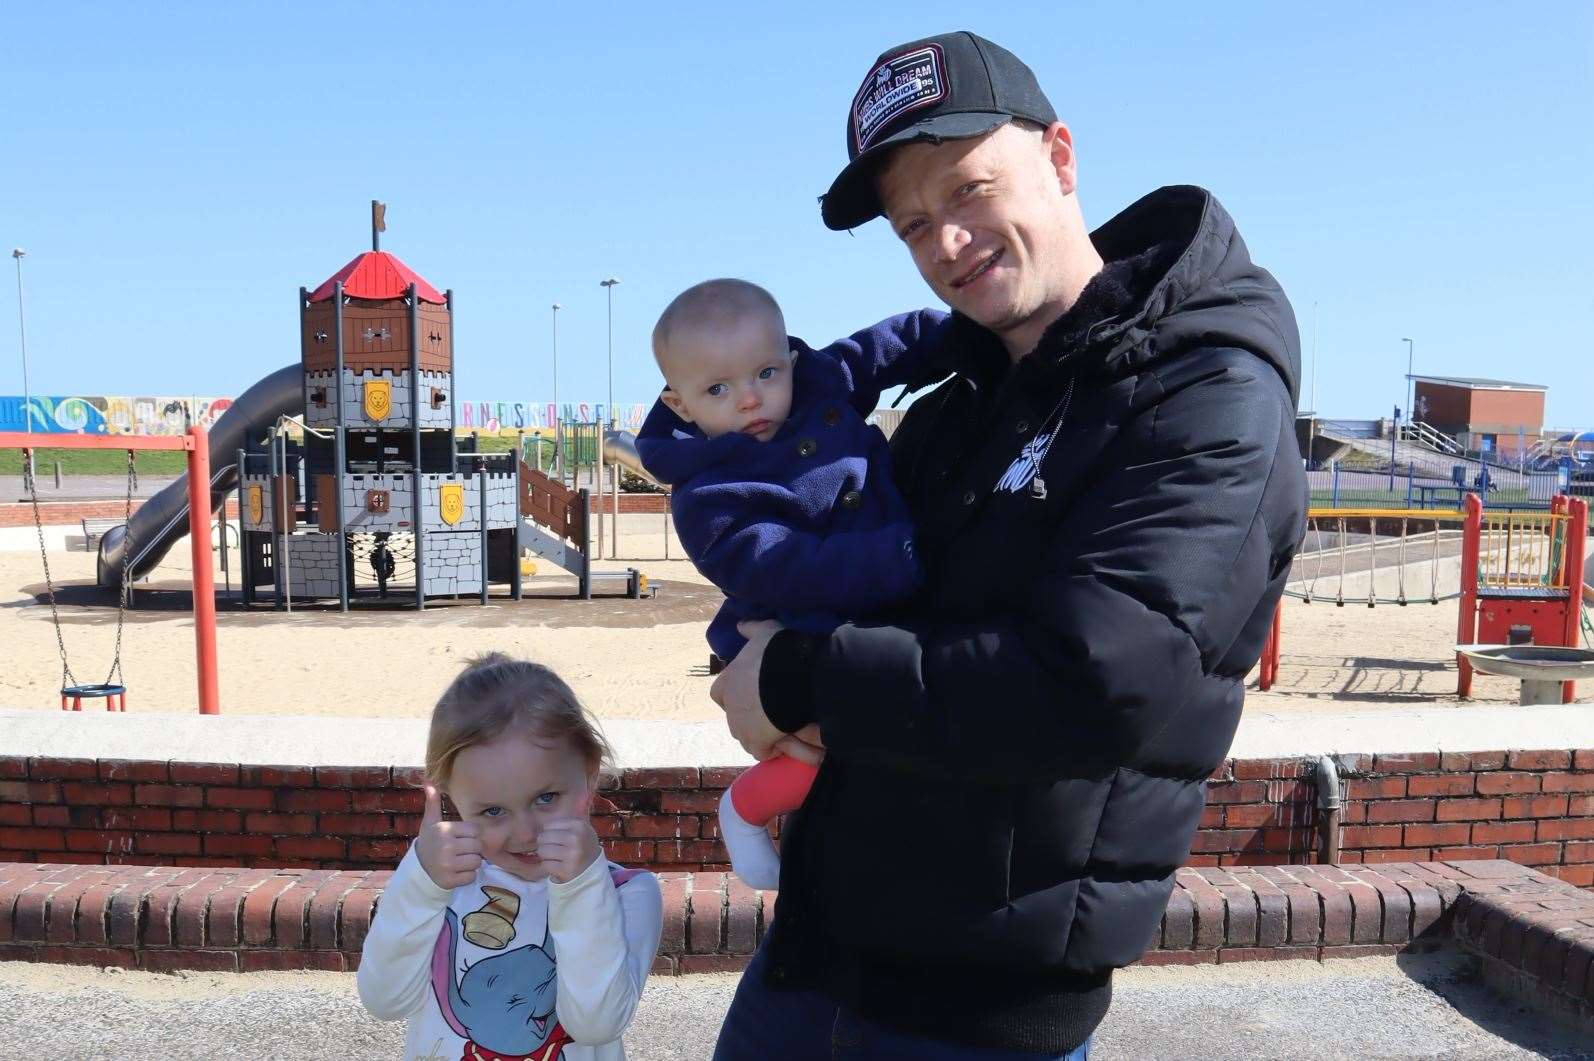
{"x": 257, "y": 503}
{"x": 451, "y": 502}
{"x": 378, "y": 394}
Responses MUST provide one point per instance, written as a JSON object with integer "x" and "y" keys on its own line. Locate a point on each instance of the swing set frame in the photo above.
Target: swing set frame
{"x": 195, "y": 442}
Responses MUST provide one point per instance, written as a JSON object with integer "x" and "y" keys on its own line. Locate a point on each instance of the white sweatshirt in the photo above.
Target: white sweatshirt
{"x": 506, "y": 968}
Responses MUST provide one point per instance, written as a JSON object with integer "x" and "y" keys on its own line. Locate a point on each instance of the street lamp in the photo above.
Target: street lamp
{"x": 609, "y": 283}
{"x": 1411, "y": 384}
{"x": 22, "y": 326}
{"x": 558, "y": 451}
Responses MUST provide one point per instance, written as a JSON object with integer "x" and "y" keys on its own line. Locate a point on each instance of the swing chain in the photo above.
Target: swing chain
{"x": 114, "y": 675}
{"x": 67, "y": 679}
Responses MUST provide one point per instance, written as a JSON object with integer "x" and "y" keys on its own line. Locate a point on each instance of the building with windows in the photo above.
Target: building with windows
{"x": 1483, "y": 415}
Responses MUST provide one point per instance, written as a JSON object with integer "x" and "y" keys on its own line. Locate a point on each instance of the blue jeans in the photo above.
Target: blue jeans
{"x": 803, "y": 1024}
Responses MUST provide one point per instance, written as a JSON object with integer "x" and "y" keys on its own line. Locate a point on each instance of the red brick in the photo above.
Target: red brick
{"x": 109, "y": 794}
{"x": 1566, "y": 829}
{"x": 1375, "y": 787}
{"x": 193, "y": 909}
{"x": 721, "y": 776}
{"x": 353, "y": 776}
{"x": 1502, "y": 832}
{"x": 132, "y": 770}
{"x": 689, "y": 802}
{"x": 1581, "y": 875}
{"x": 166, "y": 843}
{"x": 324, "y": 909}
{"x": 389, "y": 852}
{"x": 1400, "y": 854}
{"x": 1578, "y": 852}
{"x": 278, "y": 776}
{"x": 1539, "y": 760}
{"x": 53, "y": 769}
{"x": 204, "y": 773}
{"x": 1413, "y": 763}
{"x": 33, "y": 839}
{"x": 240, "y": 798}
{"x": 1179, "y": 957}
{"x": 98, "y": 840}
{"x": 687, "y": 852}
{"x": 402, "y": 800}
{"x": 171, "y": 961}
{"x": 120, "y": 957}
{"x": 1452, "y": 761}
{"x": 148, "y": 818}
{"x": 1223, "y": 840}
{"x": 1535, "y": 807}
{"x": 607, "y": 825}
{"x": 55, "y": 816}
{"x": 312, "y": 800}
{"x": 1532, "y": 854}
{"x": 271, "y": 961}
{"x": 1250, "y": 815}
{"x": 290, "y": 923}
{"x": 1498, "y": 782}
{"x": 30, "y": 792}
{"x": 1367, "y": 950}
{"x": 358, "y": 824}
{"x": 1565, "y": 782}
{"x": 16, "y": 814}
{"x": 209, "y": 821}
{"x": 13, "y": 767}
{"x": 409, "y": 777}
{"x": 1580, "y": 806}
{"x": 90, "y": 924}
{"x": 1453, "y": 854}
{"x": 221, "y": 844}
{"x": 278, "y": 824}
{"x": 1429, "y": 835}
{"x": 1467, "y": 810}
{"x": 1401, "y": 810}
{"x": 169, "y": 795}
{"x": 706, "y": 931}
{"x": 1354, "y": 836}
{"x": 315, "y": 847}
{"x": 259, "y": 906}
{"x": 629, "y": 852}
{"x": 1486, "y": 760}
{"x": 1441, "y": 784}
{"x": 661, "y": 826}
{"x": 1583, "y": 759}
{"x": 1266, "y": 769}
{"x": 354, "y": 916}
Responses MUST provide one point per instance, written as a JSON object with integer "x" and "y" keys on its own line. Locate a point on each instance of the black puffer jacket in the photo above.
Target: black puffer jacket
{"x": 1017, "y": 762}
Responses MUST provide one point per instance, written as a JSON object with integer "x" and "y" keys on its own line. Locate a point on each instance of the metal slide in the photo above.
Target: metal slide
{"x": 619, "y": 447}
{"x": 163, "y": 520}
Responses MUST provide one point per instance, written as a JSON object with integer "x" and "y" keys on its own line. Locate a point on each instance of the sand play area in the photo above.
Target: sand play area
{"x": 627, "y": 659}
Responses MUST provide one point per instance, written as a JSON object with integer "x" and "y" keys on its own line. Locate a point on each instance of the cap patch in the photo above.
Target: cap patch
{"x": 899, "y": 84}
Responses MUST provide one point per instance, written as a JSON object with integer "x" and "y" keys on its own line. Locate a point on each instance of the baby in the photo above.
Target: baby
{"x": 783, "y": 495}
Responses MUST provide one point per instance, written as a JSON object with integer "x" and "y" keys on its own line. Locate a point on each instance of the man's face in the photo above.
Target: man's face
{"x": 732, "y": 378}
{"x": 984, "y": 220}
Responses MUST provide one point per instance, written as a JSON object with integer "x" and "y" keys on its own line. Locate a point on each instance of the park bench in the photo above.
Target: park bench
{"x": 95, "y": 527}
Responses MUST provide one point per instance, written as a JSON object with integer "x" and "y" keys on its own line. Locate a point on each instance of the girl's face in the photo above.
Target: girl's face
{"x": 513, "y": 786}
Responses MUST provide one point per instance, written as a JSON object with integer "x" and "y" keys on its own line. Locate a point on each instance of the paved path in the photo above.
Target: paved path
{"x": 1411, "y": 1007}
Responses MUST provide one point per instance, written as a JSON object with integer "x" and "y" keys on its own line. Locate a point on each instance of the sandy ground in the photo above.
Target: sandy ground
{"x": 627, "y": 659}
{"x": 1414, "y": 1006}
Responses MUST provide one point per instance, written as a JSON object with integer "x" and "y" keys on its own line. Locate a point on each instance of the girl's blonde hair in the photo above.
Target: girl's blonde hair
{"x": 495, "y": 694}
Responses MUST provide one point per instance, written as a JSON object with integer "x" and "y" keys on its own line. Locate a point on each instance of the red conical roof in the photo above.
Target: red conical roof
{"x": 377, "y": 275}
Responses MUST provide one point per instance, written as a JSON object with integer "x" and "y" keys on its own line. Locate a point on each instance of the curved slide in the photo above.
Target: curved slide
{"x": 163, "y": 520}
{"x": 619, "y": 447}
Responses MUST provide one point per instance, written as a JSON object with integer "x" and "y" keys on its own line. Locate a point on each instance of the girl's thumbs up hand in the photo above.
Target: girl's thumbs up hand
{"x": 450, "y": 852}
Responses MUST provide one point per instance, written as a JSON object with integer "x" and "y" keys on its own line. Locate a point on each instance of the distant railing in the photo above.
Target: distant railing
{"x": 1427, "y": 435}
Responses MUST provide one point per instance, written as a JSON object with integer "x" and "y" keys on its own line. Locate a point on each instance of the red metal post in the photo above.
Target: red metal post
{"x": 204, "y": 578}
{"x": 1573, "y": 562}
{"x": 1467, "y": 624}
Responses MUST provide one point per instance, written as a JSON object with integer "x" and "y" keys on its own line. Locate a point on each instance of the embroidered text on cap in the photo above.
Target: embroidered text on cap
{"x": 899, "y": 84}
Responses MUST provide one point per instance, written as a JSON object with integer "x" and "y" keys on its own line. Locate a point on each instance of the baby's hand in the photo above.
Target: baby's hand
{"x": 567, "y": 846}
{"x": 450, "y": 852}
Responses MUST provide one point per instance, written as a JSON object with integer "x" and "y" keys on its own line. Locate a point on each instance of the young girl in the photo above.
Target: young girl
{"x": 506, "y": 934}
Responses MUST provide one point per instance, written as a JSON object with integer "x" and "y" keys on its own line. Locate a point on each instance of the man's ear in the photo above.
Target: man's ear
{"x": 1059, "y": 144}
{"x": 673, "y": 400}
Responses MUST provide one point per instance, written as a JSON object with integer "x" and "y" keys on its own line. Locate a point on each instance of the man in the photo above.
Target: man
{"x": 1107, "y": 494}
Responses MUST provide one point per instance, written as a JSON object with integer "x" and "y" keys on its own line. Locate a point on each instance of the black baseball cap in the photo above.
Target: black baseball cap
{"x": 947, "y": 87}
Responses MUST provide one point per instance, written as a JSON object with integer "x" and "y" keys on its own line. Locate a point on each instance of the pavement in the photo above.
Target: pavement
{"x": 1416, "y": 1006}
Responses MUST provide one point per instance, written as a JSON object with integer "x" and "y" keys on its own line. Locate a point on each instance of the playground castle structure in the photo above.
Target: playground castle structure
{"x": 379, "y": 475}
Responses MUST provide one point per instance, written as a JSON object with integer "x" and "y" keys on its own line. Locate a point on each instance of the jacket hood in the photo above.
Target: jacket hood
{"x": 1193, "y": 285}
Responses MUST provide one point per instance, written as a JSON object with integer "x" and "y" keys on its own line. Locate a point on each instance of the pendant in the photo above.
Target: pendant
{"x": 1037, "y": 488}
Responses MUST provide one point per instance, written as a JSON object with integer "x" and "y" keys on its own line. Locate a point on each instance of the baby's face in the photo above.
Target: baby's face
{"x": 730, "y": 378}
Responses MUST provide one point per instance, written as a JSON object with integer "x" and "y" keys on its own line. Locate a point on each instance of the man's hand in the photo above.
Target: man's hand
{"x": 566, "y": 847}
{"x": 450, "y": 852}
{"x": 736, "y": 691}
{"x": 805, "y": 745}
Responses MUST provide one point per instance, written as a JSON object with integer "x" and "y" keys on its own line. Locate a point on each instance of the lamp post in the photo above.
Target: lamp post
{"x": 558, "y": 449}
{"x": 609, "y": 283}
{"x": 1411, "y": 384}
{"x": 22, "y": 326}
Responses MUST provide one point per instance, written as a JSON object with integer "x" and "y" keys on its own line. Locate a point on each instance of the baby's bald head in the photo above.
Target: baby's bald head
{"x": 723, "y": 349}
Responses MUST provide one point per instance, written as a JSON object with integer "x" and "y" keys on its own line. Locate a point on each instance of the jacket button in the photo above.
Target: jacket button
{"x": 1022, "y": 427}
{"x": 807, "y": 448}
{"x": 851, "y": 499}
{"x": 969, "y": 497}
{"x": 832, "y": 416}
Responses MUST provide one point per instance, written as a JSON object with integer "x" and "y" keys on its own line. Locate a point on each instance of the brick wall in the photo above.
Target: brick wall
{"x": 69, "y": 513}
{"x": 1534, "y": 808}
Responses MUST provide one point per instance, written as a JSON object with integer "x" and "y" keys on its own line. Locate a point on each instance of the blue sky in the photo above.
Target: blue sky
{"x": 176, "y": 172}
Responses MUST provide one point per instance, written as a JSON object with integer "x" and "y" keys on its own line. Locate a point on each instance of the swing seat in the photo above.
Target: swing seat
{"x": 115, "y": 696}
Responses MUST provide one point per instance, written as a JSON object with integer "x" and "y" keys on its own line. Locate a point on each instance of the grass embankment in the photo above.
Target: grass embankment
{"x": 94, "y": 462}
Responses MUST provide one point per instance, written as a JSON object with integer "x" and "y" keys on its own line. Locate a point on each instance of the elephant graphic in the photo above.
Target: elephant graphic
{"x": 503, "y": 1007}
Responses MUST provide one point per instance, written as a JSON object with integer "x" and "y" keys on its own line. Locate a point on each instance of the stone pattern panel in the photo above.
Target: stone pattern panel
{"x": 354, "y": 399}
